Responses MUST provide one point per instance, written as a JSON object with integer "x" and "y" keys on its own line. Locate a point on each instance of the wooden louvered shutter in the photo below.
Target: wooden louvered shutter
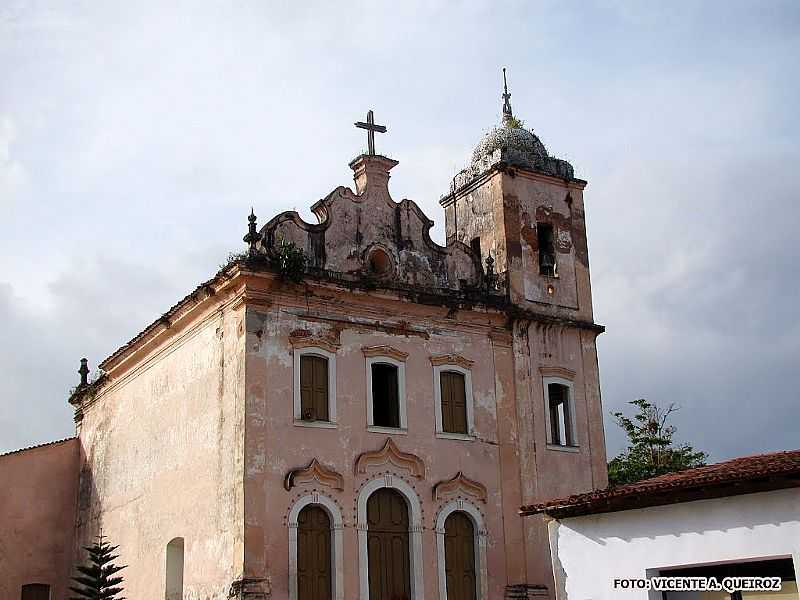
{"x": 454, "y": 402}
{"x": 314, "y": 581}
{"x": 459, "y": 555}
{"x": 313, "y": 388}
{"x": 388, "y": 546}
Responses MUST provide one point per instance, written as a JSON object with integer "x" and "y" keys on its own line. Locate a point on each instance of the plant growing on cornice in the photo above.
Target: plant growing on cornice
{"x": 233, "y": 257}
{"x": 650, "y": 450}
{"x": 290, "y": 261}
{"x": 516, "y": 123}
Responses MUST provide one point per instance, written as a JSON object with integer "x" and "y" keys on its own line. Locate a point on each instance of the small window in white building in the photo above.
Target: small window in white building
{"x": 174, "y": 571}
{"x": 561, "y": 415}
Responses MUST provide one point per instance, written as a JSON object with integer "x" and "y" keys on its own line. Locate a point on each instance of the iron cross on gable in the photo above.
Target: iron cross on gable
{"x": 371, "y": 128}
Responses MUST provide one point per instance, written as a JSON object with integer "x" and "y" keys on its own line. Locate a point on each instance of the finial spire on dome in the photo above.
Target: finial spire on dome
{"x": 508, "y": 116}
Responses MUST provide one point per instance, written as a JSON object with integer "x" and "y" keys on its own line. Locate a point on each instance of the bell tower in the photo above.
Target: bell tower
{"x": 524, "y": 207}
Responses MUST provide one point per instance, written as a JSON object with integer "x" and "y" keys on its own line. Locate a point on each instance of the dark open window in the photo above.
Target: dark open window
{"x": 547, "y": 249}
{"x": 454, "y": 402}
{"x": 313, "y": 388}
{"x": 561, "y": 428}
{"x": 385, "y": 396}
{"x": 475, "y": 244}
{"x": 36, "y": 591}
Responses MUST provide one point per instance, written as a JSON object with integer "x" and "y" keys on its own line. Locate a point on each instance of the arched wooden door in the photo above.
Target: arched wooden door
{"x": 387, "y": 546}
{"x": 314, "y": 581}
{"x": 459, "y": 557}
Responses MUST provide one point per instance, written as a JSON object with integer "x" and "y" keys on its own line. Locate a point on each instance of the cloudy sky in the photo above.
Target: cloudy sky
{"x": 134, "y": 138}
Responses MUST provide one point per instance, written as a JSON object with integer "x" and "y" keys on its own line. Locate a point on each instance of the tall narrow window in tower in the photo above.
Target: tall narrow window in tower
{"x": 36, "y": 591}
{"x": 454, "y": 402}
{"x": 385, "y": 396}
{"x": 314, "y": 581}
{"x": 559, "y": 406}
{"x": 174, "y": 571}
{"x": 475, "y": 244}
{"x": 547, "y": 249}
{"x": 313, "y": 388}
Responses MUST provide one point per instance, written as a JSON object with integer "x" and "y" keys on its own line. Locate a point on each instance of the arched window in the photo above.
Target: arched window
{"x": 388, "y": 545}
{"x": 461, "y": 549}
{"x": 459, "y": 557}
{"x": 174, "y": 572}
{"x": 314, "y": 556}
{"x": 381, "y": 516}
{"x": 36, "y": 591}
{"x": 315, "y": 549}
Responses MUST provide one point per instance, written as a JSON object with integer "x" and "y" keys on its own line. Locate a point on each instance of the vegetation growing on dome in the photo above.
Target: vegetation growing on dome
{"x": 514, "y": 122}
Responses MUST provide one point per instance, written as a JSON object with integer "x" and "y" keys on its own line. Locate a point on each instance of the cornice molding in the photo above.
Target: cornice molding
{"x": 557, "y": 372}
{"x": 388, "y": 351}
{"x": 315, "y": 471}
{"x": 390, "y": 454}
{"x": 302, "y": 338}
{"x": 452, "y": 359}
{"x": 460, "y": 483}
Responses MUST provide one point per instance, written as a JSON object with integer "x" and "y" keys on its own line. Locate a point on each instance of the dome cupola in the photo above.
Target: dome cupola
{"x": 510, "y": 144}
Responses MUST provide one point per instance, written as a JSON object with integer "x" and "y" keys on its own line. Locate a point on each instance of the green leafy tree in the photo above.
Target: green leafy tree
{"x": 650, "y": 450}
{"x": 99, "y": 580}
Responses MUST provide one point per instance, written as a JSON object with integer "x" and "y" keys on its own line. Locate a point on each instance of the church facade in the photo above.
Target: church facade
{"x": 348, "y": 409}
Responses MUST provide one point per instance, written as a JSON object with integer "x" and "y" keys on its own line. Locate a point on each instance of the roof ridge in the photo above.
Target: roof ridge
{"x": 738, "y": 469}
{"x": 42, "y": 445}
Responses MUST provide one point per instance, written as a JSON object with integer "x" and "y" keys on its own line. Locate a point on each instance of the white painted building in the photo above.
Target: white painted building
{"x": 739, "y": 518}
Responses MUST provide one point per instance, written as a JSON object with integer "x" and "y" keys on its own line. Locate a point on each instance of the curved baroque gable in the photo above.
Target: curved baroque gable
{"x": 390, "y": 454}
{"x": 315, "y": 471}
{"x": 460, "y": 483}
{"x": 352, "y": 226}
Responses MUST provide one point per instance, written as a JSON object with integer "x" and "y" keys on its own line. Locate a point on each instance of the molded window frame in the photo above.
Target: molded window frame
{"x": 569, "y": 384}
{"x": 415, "y": 545}
{"x": 337, "y": 543}
{"x": 480, "y": 544}
{"x": 331, "y": 423}
{"x": 437, "y": 397}
{"x": 401, "y": 394}
{"x": 36, "y": 584}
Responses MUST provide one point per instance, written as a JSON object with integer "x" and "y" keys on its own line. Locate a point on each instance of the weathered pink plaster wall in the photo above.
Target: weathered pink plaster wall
{"x": 508, "y": 455}
{"x": 38, "y": 491}
{"x": 162, "y": 445}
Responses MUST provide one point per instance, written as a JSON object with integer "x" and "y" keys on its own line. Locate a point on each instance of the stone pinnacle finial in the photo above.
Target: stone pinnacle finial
{"x": 253, "y": 235}
{"x": 490, "y": 276}
{"x": 84, "y": 371}
{"x": 507, "y": 114}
